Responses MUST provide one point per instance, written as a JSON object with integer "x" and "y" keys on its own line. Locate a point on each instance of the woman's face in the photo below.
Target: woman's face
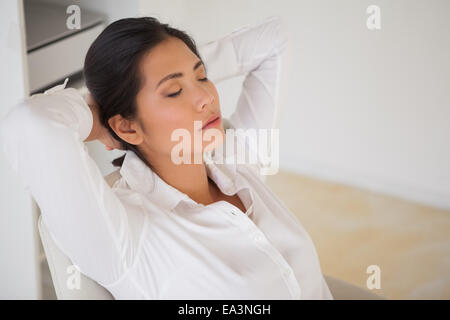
{"x": 166, "y": 104}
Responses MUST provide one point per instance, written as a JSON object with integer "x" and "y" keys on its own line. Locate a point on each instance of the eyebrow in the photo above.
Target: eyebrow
{"x": 178, "y": 74}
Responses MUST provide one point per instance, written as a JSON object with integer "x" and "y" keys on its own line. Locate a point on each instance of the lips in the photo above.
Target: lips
{"x": 210, "y": 120}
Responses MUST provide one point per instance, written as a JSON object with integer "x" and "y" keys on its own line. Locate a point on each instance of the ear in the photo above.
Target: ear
{"x": 128, "y": 130}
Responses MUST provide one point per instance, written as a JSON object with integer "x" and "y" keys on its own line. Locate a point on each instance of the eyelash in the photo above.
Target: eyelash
{"x": 173, "y": 95}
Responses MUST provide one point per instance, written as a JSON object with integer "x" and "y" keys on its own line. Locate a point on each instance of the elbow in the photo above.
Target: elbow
{"x": 283, "y": 35}
{"x": 279, "y": 32}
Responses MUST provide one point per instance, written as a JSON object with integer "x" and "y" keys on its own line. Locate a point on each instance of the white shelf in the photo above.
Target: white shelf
{"x": 54, "y": 50}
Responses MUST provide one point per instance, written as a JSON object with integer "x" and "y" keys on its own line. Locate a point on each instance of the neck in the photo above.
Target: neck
{"x": 191, "y": 179}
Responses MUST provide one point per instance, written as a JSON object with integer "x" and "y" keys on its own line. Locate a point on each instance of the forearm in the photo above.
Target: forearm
{"x": 244, "y": 49}
{"x": 42, "y": 138}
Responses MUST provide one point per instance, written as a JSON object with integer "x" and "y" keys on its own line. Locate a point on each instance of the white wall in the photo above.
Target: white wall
{"x": 19, "y": 269}
{"x": 367, "y": 108}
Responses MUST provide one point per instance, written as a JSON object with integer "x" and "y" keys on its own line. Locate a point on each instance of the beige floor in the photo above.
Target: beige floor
{"x": 354, "y": 228}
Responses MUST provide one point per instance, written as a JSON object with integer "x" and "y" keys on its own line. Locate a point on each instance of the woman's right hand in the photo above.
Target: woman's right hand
{"x": 99, "y": 132}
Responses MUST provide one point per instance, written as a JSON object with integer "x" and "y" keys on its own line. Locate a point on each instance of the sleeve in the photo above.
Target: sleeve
{"x": 260, "y": 52}
{"x": 42, "y": 138}
{"x": 326, "y": 292}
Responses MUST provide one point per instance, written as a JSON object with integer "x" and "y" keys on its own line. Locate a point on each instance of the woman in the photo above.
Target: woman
{"x": 164, "y": 230}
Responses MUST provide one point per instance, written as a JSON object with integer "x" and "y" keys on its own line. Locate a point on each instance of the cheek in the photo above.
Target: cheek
{"x": 162, "y": 122}
{"x": 161, "y": 116}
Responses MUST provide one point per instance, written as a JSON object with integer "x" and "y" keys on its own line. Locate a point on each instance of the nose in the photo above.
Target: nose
{"x": 204, "y": 97}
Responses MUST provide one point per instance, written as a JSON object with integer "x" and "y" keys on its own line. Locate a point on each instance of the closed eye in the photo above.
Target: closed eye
{"x": 172, "y": 95}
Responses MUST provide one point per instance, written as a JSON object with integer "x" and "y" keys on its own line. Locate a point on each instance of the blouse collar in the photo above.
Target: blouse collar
{"x": 144, "y": 180}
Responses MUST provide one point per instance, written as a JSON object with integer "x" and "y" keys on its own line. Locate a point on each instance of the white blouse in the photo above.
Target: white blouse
{"x": 144, "y": 239}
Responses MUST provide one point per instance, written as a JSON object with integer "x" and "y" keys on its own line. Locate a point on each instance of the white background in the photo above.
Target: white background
{"x": 366, "y": 108}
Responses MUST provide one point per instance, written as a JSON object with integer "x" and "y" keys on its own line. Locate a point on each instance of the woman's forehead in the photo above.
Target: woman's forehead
{"x": 169, "y": 56}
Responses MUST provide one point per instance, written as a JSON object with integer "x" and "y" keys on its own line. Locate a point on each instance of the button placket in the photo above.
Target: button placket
{"x": 286, "y": 271}
{"x": 234, "y": 215}
{"x": 258, "y": 237}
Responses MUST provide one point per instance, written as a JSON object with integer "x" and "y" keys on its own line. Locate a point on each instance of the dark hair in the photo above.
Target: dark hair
{"x": 111, "y": 68}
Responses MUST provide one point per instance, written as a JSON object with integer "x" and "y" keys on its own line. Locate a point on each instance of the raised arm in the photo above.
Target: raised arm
{"x": 42, "y": 137}
{"x": 260, "y": 52}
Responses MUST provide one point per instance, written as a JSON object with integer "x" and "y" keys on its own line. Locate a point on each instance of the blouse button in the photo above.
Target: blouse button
{"x": 259, "y": 237}
{"x": 287, "y": 272}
